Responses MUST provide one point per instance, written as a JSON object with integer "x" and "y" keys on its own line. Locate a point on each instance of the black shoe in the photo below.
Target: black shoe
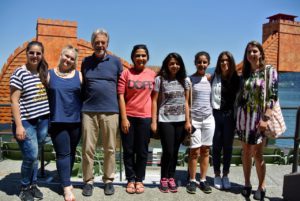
{"x": 36, "y": 192}
{"x": 260, "y": 194}
{"x": 247, "y": 190}
{"x": 26, "y": 194}
{"x": 87, "y": 190}
{"x": 191, "y": 187}
{"x": 109, "y": 189}
{"x": 204, "y": 186}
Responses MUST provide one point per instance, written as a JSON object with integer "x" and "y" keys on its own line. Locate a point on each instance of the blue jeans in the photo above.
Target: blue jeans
{"x": 65, "y": 138}
{"x": 223, "y": 140}
{"x": 135, "y": 146}
{"x": 36, "y": 132}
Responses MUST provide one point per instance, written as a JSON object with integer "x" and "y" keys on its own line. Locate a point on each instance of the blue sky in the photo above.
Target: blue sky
{"x": 183, "y": 26}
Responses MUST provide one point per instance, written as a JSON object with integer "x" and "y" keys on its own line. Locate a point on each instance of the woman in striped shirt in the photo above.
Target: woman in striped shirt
{"x": 203, "y": 124}
{"x": 30, "y": 110}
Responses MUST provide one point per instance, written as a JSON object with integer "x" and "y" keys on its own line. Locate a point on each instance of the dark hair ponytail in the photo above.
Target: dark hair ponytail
{"x": 43, "y": 72}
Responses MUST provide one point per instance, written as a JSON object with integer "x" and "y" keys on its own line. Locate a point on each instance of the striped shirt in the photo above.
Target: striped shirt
{"x": 33, "y": 101}
{"x": 201, "y": 95}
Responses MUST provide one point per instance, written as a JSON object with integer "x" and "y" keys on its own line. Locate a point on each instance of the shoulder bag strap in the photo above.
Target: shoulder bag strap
{"x": 159, "y": 94}
{"x": 266, "y": 89}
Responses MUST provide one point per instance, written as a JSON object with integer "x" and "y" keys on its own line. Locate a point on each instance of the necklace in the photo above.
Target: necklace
{"x": 63, "y": 74}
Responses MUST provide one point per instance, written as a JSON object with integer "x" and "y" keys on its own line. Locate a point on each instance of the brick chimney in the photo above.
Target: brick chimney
{"x": 55, "y": 34}
{"x": 281, "y": 38}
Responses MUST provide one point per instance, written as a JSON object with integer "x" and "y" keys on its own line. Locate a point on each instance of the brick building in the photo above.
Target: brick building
{"x": 54, "y": 34}
{"x": 281, "y": 42}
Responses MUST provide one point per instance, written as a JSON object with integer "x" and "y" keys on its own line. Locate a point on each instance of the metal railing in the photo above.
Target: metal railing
{"x": 42, "y": 157}
{"x": 295, "y": 138}
{"x": 296, "y": 142}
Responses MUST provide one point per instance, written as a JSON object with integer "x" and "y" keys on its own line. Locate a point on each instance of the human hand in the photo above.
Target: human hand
{"x": 262, "y": 125}
{"x": 125, "y": 124}
{"x": 20, "y": 133}
{"x": 154, "y": 127}
{"x": 188, "y": 127}
{"x": 208, "y": 76}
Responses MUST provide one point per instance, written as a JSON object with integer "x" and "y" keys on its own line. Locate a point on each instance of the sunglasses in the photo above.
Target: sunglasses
{"x": 32, "y": 53}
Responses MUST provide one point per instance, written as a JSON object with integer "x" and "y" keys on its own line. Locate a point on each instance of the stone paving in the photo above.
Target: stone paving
{"x": 9, "y": 185}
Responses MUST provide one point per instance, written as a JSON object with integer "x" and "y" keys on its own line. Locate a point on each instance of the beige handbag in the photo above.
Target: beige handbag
{"x": 276, "y": 124}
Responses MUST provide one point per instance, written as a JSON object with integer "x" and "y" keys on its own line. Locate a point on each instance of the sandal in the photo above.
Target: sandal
{"x": 139, "y": 186}
{"x": 68, "y": 194}
{"x": 130, "y": 188}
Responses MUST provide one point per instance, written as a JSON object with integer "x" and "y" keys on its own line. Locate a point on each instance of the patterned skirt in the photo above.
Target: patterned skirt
{"x": 247, "y": 120}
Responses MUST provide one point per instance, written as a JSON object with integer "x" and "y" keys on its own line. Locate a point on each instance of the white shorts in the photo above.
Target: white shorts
{"x": 204, "y": 133}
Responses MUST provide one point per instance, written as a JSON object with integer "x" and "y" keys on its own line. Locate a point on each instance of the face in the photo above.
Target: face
{"x": 202, "y": 64}
{"x": 173, "y": 67}
{"x": 224, "y": 61}
{"x": 100, "y": 45}
{"x": 34, "y": 55}
{"x": 140, "y": 58}
{"x": 253, "y": 55}
{"x": 67, "y": 59}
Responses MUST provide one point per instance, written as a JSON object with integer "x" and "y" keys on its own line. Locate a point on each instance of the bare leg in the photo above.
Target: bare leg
{"x": 247, "y": 162}
{"x": 204, "y": 161}
{"x": 193, "y": 160}
{"x": 260, "y": 164}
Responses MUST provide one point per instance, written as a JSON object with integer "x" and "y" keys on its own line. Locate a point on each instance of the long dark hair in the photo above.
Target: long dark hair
{"x": 43, "y": 65}
{"x": 165, "y": 73}
{"x": 231, "y": 61}
{"x": 246, "y": 63}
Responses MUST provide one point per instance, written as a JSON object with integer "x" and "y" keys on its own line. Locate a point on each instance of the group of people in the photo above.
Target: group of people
{"x": 103, "y": 99}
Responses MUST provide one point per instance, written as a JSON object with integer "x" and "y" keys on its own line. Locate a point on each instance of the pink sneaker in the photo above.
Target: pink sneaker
{"x": 164, "y": 185}
{"x": 172, "y": 185}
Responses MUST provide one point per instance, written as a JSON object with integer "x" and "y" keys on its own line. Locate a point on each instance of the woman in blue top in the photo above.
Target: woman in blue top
{"x": 64, "y": 83}
{"x": 30, "y": 110}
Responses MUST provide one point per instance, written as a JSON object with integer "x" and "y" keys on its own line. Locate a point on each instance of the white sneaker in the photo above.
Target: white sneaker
{"x": 226, "y": 183}
{"x": 218, "y": 182}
